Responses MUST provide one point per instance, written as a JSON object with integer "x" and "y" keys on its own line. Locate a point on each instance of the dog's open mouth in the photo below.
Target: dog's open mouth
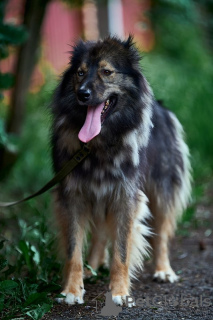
{"x": 109, "y": 103}
{"x": 96, "y": 115}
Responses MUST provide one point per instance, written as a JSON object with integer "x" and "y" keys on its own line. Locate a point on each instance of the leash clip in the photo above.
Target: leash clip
{"x": 82, "y": 153}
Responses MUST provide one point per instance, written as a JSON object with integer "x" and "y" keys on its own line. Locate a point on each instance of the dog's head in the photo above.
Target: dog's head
{"x": 105, "y": 77}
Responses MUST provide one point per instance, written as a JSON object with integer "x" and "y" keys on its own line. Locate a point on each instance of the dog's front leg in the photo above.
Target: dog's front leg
{"x": 72, "y": 225}
{"x": 120, "y": 224}
{"x": 128, "y": 231}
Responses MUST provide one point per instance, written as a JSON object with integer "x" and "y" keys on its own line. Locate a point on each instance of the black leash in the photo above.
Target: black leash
{"x": 68, "y": 167}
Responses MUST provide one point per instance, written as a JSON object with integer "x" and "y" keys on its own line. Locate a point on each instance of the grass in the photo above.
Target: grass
{"x": 29, "y": 268}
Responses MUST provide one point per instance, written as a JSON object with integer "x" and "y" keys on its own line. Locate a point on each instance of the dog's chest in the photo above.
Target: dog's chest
{"x": 113, "y": 162}
{"x": 100, "y": 179}
{"x": 106, "y": 172}
{"x": 108, "y": 168}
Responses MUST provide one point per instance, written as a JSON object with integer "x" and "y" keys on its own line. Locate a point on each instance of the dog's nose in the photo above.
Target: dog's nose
{"x": 84, "y": 94}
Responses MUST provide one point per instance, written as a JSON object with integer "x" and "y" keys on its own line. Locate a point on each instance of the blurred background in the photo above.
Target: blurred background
{"x": 175, "y": 38}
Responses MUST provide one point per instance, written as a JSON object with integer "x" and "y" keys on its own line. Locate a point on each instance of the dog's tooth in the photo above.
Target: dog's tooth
{"x": 107, "y": 103}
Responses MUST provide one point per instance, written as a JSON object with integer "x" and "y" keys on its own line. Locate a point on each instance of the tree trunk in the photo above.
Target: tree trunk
{"x": 27, "y": 57}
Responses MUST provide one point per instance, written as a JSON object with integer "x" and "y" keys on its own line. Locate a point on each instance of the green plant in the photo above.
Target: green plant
{"x": 26, "y": 295}
{"x": 28, "y": 260}
{"x": 10, "y": 35}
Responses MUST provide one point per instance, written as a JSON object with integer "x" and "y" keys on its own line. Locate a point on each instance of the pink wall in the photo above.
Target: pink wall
{"x": 62, "y": 27}
{"x": 136, "y": 23}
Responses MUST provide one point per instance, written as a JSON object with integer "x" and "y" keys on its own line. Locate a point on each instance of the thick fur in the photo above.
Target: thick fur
{"x": 139, "y": 153}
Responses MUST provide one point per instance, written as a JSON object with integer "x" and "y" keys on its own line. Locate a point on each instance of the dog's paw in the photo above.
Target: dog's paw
{"x": 122, "y": 301}
{"x": 165, "y": 276}
{"x": 70, "y": 298}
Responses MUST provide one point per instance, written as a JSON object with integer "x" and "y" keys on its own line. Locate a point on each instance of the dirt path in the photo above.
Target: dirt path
{"x": 190, "y": 298}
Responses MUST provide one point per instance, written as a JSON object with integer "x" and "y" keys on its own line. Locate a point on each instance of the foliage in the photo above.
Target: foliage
{"x": 25, "y": 286}
{"x": 74, "y": 3}
{"x": 7, "y": 140}
{"x": 180, "y": 70}
{"x": 206, "y": 20}
{"x": 10, "y": 35}
{"x": 78, "y": 3}
{"x": 28, "y": 251}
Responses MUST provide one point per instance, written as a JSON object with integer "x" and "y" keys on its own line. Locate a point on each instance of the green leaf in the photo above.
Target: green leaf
{"x": 24, "y": 248}
{"x": 3, "y": 135}
{"x": 36, "y": 298}
{"x": 8, "y": 285}
{"x": 6, "y": 80}
{"x": 4, "y": 52}
{"x": 10, "y": 270}
{"x": 1, "y": 302}
{"x": 94, "y": 273}
{"x": 3, "y": 264}
{"x": 36, "y": 256}
{"x": 12, "y": 34}
{"x": 38, "y": 312}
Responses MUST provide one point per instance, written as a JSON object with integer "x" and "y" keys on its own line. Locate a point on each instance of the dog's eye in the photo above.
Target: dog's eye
{"x": 107, "y": 72}
{"x": 80, "y": 73}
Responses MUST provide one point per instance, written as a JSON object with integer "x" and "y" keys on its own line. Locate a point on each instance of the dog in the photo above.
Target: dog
{"x": 136, "y": 181}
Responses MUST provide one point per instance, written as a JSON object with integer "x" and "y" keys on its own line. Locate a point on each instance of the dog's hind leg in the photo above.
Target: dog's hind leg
{"x": 72, "y": 225}
{"x": 98, "y": 253}
{"x": 169, "y": 193}
{"x": 164, "y": 224}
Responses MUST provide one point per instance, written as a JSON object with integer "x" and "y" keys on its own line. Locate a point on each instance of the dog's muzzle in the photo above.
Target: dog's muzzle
{"x": 84, "y": 95}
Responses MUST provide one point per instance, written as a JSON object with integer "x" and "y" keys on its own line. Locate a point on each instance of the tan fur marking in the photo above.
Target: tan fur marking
{"x": 119, "y": 277}
{"x": 164, "y": 227}
{"x": 73, "y": 270}
{"x": 119, "y": 273}
{"x": 103, "y": 64}
{"x": 107, "y": 66}
{"x": 74, "y": 276}
{"x": 97, "y": 254}
{"x": 83, "y": 67}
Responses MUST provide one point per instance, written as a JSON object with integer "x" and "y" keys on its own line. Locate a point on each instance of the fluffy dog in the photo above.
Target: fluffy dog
{"x": 139, "y": 163}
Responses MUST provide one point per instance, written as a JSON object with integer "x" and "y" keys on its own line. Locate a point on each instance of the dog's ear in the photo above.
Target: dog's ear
{"x": 132, "y": 51}
{"x": 77, "y": 52}
{"x": 129, "y": 42}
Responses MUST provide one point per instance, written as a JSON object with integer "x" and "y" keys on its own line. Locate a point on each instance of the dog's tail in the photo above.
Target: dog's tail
{"x": 140, "y": 234}
{"x": 182, "y": 193}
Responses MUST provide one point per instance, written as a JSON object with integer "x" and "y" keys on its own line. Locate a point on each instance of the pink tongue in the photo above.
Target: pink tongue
{"x": 92, "y": 125}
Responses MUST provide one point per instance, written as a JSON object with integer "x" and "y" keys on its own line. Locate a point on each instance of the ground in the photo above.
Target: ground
{"x": 190, "y": 298}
